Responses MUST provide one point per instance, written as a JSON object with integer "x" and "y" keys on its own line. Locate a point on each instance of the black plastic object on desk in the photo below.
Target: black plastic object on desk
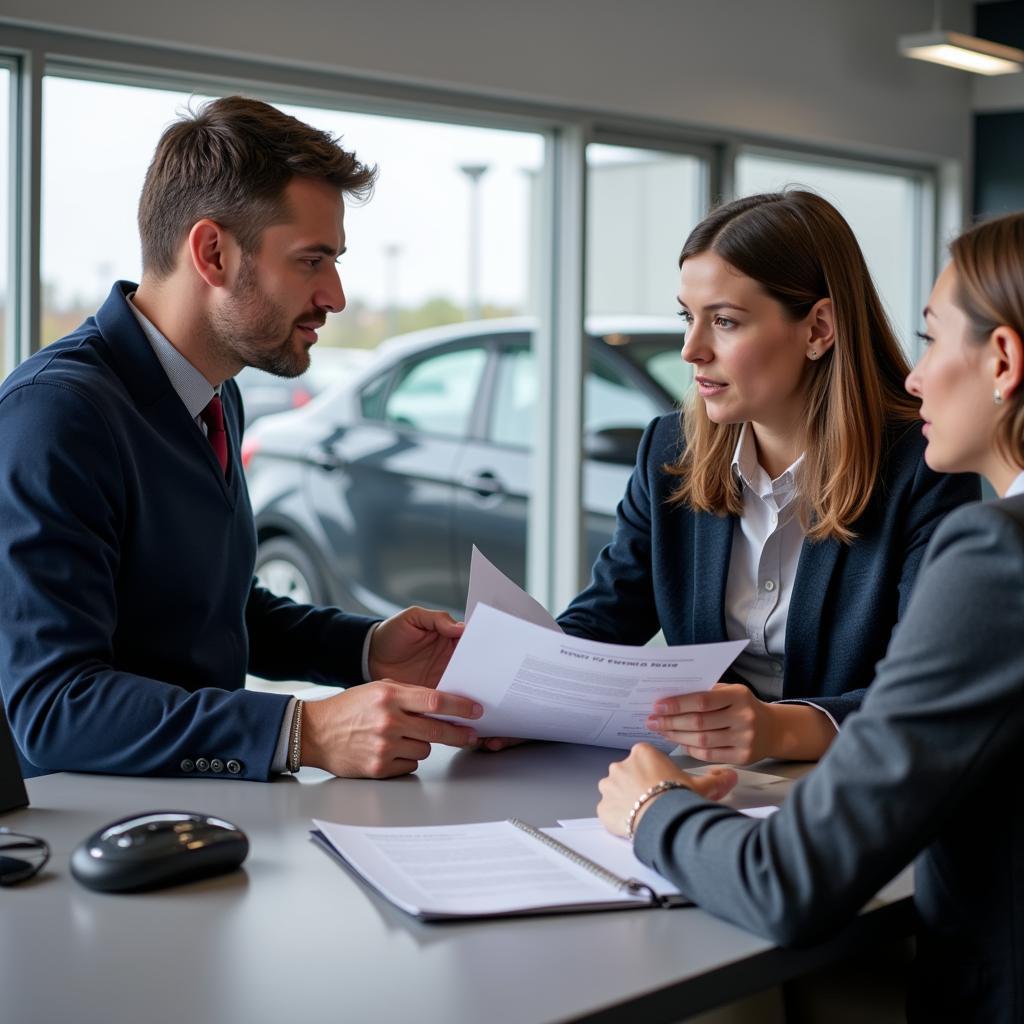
{"x": 156, "y": 849}
{"x": 12, "y": 788}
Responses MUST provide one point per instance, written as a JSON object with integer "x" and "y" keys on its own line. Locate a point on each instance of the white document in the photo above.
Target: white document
{"x": 534, "y": 683}
{"x": 471, "y": 870}
{"x": 489, "y": 585}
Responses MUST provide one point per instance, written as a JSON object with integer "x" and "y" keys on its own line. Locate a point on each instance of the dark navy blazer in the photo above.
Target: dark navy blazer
{"x": 666, "y": 568}
{"x": 130, "y": 615}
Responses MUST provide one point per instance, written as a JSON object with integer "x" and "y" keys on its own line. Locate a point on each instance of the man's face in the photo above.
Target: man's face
{"x": 283, "y": 292}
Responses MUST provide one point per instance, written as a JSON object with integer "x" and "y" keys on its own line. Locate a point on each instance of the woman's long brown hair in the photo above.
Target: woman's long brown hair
{"x": 798, "y": 247}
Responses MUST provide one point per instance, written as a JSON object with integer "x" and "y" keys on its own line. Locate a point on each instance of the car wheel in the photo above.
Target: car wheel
{"x": 284, "y": 568}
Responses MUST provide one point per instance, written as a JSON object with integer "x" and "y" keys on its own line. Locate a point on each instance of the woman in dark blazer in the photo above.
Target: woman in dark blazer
{"x": 797, "y": 509}
{"x": 930, "y": 766}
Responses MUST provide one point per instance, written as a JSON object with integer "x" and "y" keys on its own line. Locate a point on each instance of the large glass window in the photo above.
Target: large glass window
{"x": 641, "y": 205}
{"x": 884, "y": 210}
{"x": 98, "y": 139}
{"x": 6, "y": 155}
{"x": 448, "y": 235}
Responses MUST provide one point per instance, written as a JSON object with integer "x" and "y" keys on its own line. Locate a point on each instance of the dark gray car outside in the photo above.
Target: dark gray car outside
{"x": 372, "y": 495}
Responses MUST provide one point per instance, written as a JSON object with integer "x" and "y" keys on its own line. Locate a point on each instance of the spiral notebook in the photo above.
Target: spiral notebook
{"x": 497, "y": 868}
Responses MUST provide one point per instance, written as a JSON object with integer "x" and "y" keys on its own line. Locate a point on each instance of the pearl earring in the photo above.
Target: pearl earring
{"x": 813, "y": 355}
{"x": 997, "y": 398}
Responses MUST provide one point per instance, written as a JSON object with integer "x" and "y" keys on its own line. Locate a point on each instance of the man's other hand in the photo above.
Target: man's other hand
{"x": 380, "y": 729}
{"x": 414, "y": 646}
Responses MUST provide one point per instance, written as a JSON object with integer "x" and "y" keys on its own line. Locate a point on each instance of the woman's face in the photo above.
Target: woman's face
{"x": 954, "y": 380}
{"x": 750, "y": 359}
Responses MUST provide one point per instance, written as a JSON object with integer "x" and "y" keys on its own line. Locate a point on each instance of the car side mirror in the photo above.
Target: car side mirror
{"x": 617, "y": 445}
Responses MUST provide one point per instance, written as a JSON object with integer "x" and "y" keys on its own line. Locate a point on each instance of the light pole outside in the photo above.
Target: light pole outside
{"x": 474, "y": 172}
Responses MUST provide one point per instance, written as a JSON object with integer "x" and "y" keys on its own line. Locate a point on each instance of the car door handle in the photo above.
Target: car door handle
{"x": 484, "y": 484}
{"x": 324, "y": 458}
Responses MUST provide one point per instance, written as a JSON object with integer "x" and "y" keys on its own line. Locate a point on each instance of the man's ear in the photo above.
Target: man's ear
{"x": 1008, "y": 349}
{"x": 207, "y": 248}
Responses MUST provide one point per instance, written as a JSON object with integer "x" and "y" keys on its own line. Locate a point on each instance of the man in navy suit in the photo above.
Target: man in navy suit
{"x": 130, "y": 615}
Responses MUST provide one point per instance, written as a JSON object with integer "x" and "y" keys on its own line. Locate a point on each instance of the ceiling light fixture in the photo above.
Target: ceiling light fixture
{"x": 957, "y": 50}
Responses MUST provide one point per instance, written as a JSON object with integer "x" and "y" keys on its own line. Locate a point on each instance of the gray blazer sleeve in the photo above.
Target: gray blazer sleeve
{"x": 941, "y": 724}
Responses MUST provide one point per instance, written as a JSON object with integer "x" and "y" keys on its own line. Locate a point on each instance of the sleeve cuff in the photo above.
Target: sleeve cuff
{"x": 280, "y": 762}
{"x": 662, "y": 813}
{"x": 366, "y": 651}
{"x": 811, "y": 704}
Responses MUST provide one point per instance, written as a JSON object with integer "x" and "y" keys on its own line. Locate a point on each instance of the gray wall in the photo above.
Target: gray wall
{"x": 823, "y": 71}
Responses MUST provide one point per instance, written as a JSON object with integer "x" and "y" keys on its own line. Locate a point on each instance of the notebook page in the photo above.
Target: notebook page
{"x": 467, "y": 870}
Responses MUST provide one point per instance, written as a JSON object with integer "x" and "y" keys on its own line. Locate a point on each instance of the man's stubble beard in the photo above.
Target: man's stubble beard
{"x": 243, "y": 328}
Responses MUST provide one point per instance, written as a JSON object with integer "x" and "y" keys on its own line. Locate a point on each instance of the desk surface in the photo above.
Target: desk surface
{"x": 295, "y": 937}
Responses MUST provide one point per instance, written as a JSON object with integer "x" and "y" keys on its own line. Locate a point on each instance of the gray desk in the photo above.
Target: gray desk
{"x": 294, "y": 937}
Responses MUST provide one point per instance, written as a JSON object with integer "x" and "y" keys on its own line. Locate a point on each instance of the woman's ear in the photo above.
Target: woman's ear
{"x": 1008, "y": 352}
{"x": 822, "y": 328}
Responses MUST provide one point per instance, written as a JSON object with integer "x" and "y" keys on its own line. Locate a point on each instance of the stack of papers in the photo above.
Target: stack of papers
{"x": 534, "y": 682}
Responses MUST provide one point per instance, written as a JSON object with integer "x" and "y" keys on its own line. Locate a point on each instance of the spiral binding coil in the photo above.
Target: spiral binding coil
{"x": 630, "y": 885}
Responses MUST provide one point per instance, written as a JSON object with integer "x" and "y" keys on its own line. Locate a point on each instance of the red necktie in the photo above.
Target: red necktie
{"x": 213, "y": 417}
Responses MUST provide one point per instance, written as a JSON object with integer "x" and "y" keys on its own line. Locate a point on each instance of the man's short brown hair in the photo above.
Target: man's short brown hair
{"x": 231, "y": 161}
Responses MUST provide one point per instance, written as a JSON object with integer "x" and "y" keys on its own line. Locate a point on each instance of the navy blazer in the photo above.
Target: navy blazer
{"x": 130, "y": 615}
{"x": 667, "y": 566}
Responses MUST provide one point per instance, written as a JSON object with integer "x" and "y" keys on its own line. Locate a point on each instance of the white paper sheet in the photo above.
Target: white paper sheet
{"x": 467, "y": 870}
{"x": 534, "y": 683}
{"x": 489, "y": 585}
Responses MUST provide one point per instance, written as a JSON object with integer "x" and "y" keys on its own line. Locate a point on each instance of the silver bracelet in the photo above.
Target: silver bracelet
{"x": 295, "y": 740}
{"x": 654, "y": 791}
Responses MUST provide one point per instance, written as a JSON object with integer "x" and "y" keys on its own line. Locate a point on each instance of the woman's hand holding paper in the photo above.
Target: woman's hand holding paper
{"x": 729, "y": 723}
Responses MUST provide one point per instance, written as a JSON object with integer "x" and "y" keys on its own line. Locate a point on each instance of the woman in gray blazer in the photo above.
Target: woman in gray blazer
{"x": 929, "y": 766}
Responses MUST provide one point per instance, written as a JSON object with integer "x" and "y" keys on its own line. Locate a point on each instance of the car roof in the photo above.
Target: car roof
{"x": 402, "y": 345}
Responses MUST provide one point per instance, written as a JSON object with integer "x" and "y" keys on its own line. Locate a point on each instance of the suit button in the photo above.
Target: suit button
{"x": 188, "y": 766}
{"x": 235, "y": 767}
{"x": 202, "y": 765}
{"x": 216, "y": 765}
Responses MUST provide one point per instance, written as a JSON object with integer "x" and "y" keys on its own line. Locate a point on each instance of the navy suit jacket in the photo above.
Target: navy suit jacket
{"x": 667, "y": 566}
{"x": 130, "y": 615}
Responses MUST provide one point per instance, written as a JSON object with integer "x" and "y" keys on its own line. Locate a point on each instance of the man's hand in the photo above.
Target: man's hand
{"x": 378, "y": 730}
{"x": 646, "y": 766}
{"x": 729, "y": 723}
{"x": 414, "y": 646}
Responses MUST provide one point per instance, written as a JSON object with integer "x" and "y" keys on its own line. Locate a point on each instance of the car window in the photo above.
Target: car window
{"x": 436, "y": 394}
{"x": 371, "y": 398}
{"x": 610, "y": 400}
{"x": 659, "y": 356}
{"x": 515, "y": 399}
